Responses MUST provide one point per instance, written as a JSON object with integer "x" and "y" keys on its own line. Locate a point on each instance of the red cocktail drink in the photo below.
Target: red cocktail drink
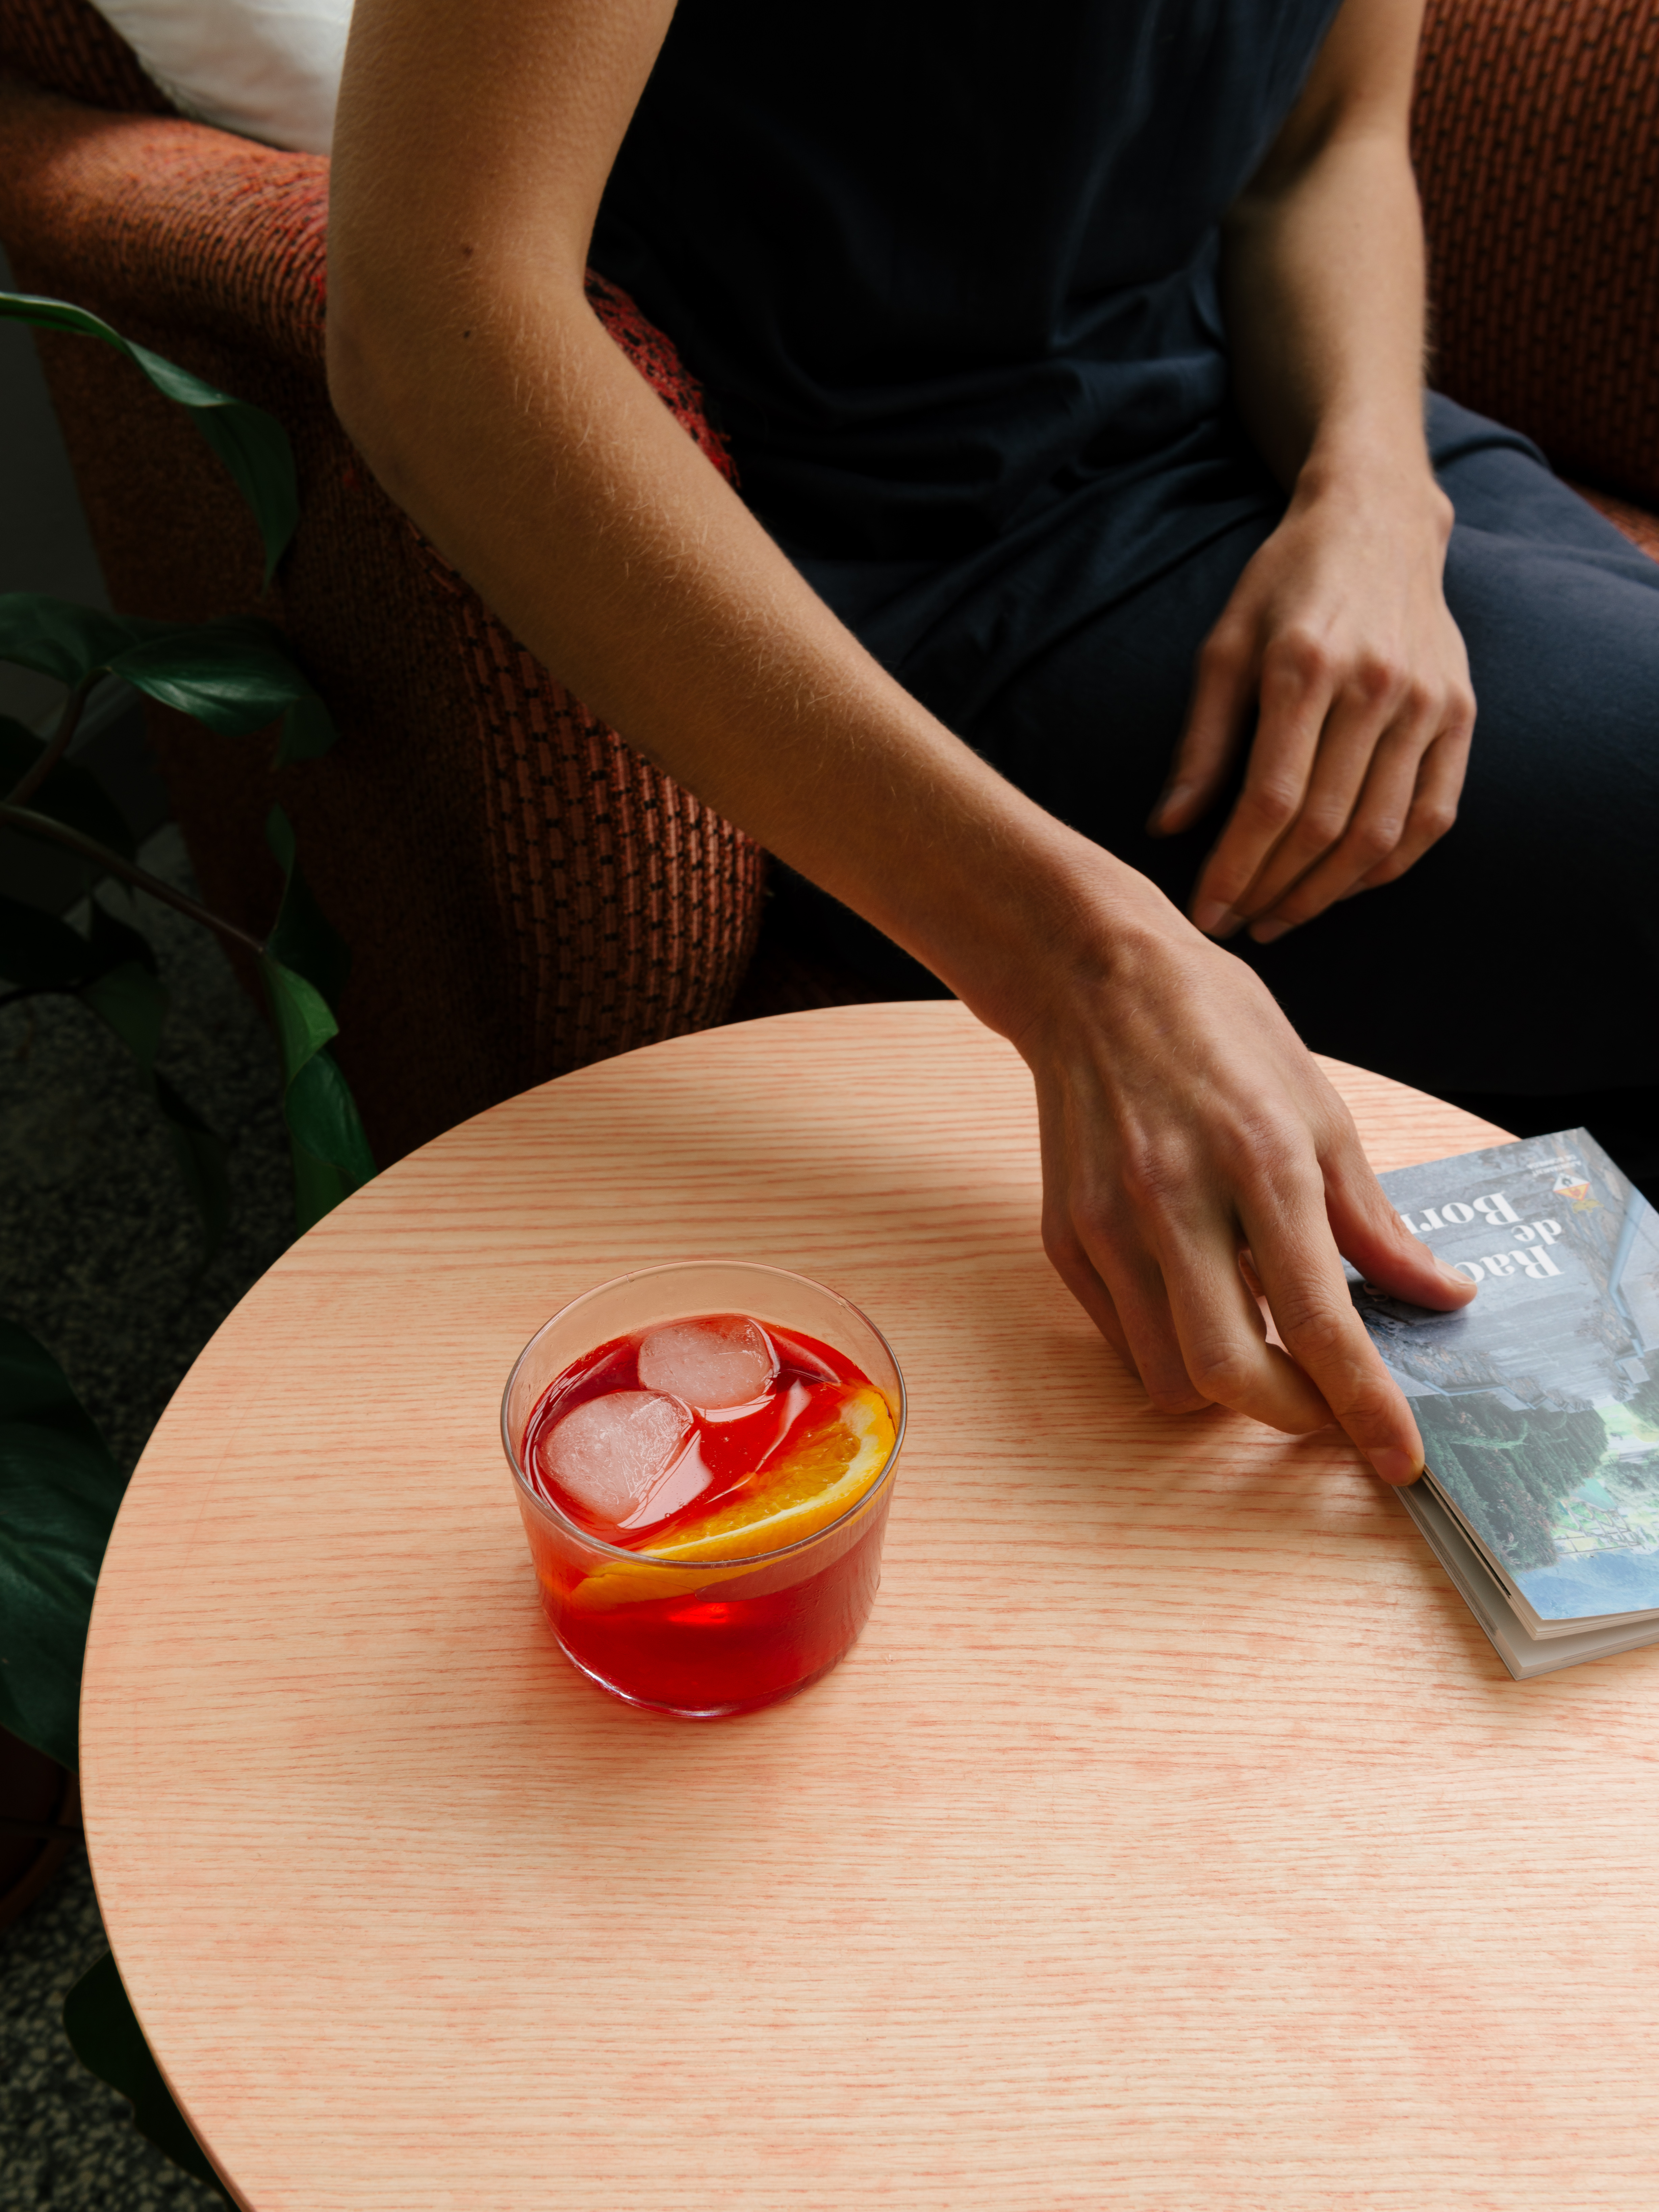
{"x": 706, "y": 1491}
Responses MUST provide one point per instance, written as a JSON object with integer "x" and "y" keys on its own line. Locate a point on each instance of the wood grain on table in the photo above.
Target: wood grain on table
{"x": 1171, "y": 1839}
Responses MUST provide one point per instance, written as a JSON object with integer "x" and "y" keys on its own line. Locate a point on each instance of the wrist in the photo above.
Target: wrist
{"x": 1371, "y": 472}
{"x": 1065, "y": 919}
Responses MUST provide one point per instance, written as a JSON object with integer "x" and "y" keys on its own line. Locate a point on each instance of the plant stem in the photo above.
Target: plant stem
{"x": 67, "y": 723}
{"x": 42, "y": 825}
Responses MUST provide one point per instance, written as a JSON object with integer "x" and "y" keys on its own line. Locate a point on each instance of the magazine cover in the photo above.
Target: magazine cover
{"x": 1539, "y": 1403}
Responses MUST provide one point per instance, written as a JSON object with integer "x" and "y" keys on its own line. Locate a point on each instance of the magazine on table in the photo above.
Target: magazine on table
{"x": 1538, "y": 1402}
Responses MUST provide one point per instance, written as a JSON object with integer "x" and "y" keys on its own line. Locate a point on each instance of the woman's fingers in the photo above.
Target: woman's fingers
{"x": 1338, "y": 634}
{"x": 1224, "y": 701}
{"x": 1224, "y": 1340}
{"x": 1434, "y": 804}
{"x": 1359, "y": 791}
{"x": 1326, "y": 1338}
{"x": 1297, "y": 688}
{"x": 1370, "y": 834}
{"x": 1371, "y": 1234}
{"x": 1384, "y": 787}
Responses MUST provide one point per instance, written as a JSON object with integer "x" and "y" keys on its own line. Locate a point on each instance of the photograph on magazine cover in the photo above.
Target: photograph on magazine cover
{"x": 1539, "y": 1403}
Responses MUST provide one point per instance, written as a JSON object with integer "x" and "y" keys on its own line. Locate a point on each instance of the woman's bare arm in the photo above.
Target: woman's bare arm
{"x": 1182, "y": 1118}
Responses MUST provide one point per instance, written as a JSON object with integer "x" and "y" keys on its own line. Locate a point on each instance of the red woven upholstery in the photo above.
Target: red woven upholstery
{"x": 1537, "y": 145}
{"x": 67, "y": 44}
{"x": 521, "y": 892}
{"x": 1638, "y": 525}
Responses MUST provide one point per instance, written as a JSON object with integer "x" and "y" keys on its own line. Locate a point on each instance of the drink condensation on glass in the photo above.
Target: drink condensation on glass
{"x": 703, "y": 1455}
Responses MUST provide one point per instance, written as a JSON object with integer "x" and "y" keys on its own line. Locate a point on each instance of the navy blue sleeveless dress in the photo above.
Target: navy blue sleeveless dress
{"x": 948, "y": 275}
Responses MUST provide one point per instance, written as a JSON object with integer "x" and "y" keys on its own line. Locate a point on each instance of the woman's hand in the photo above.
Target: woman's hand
{"x": 1184, "y": 1124}
{"x": 1338, "y": 642}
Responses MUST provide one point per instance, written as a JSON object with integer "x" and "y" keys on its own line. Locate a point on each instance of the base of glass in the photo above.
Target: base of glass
{"x": 703, "y": 1712}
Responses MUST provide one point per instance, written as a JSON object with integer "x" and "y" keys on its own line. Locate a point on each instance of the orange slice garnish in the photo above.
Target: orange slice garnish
{"x": 827, "y": 1472}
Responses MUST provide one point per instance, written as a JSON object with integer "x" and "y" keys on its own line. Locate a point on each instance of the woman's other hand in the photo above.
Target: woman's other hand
{"x": 1338, "y": 644}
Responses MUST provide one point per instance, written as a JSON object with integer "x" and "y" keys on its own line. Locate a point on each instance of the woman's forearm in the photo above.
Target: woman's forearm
{"x": 1323, "y": 276}
{"x": 533, "y": 453}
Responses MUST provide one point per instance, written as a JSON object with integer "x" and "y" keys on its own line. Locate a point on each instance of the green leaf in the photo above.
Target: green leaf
{"x": 318, "y": 1187}
{"x": 56, "y": 637}
{"x": 322, "y": 1119}
{"x": 38, "y": 952}
{"x": 34, "y": 1388}
{"x": 331, "y": 1158}
{"x": 234, "y": 673}
{"x": 57, "y": 1501}
{"x": 303, "y": 940}
{"x": 304, "y": 1023}
{"x": 253, "y": 444}
{"x": 103, "y": 2029}
{"x": 59, "y": 1490}
{"x": 304, "y": 965}
{"x": 70, "y": 794}
{"x": 134, "y": 1004}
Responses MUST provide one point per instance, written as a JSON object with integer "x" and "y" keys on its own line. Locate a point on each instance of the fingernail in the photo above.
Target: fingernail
{"x": 1396, "y": 1467}
{"x": 1264, "y": 933}
{"x": 1215, "y": 919}
{"x": 1171, "y": 802}
{"x": 1455, "y": 1275}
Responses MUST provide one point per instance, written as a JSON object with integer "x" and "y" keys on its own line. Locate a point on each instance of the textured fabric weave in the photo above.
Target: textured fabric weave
{"x": 1537, "y": 149}
{"x": 67, "y": 44}
{"x": 522, "y": 894}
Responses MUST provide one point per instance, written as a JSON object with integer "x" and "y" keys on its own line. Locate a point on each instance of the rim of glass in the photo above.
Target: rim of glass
{"x": 557, "y": 1514}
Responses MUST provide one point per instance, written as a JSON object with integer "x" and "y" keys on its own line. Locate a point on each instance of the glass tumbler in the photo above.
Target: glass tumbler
{"x": 703, "y": 1638}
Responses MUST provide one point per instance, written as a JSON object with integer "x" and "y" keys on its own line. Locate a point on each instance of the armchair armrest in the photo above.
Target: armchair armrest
{"x": 1537, "y": 145}
{"x": 188, "y": 227}
{"x": 521, "y": 892}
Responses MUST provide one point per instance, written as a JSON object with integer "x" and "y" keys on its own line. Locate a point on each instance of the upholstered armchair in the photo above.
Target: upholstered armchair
{"x": 523, "y": 893}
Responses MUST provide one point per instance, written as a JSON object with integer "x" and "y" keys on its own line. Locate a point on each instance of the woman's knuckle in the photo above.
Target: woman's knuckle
{"x": 1298, "y": 653}
{"x": 1262, "y": 1150}
{"x": 1375, "y": 837}
{"x": 1421, "y": 701}
{"x": 1147, "y": 1178}
{"x": 1270, "y": 804}
{"x": 1224, "y": 1373}
{"x": 1313, "y": 1333}
{"x": 1063, "y": 1246}
{"x": 1377, "y": 679}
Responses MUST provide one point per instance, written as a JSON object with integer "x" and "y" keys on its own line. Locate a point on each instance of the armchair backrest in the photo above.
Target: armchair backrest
{"x": 66, "y": 45}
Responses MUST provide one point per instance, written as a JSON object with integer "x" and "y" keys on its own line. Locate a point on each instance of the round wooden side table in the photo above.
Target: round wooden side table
{"x": 1171, "y": 1839}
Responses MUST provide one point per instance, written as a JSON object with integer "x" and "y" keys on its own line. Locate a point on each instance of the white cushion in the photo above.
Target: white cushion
{"x": 264, "y": 69}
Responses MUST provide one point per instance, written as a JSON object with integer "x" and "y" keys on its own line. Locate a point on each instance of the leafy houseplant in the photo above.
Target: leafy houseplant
{"x": 59, "y": 1487}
